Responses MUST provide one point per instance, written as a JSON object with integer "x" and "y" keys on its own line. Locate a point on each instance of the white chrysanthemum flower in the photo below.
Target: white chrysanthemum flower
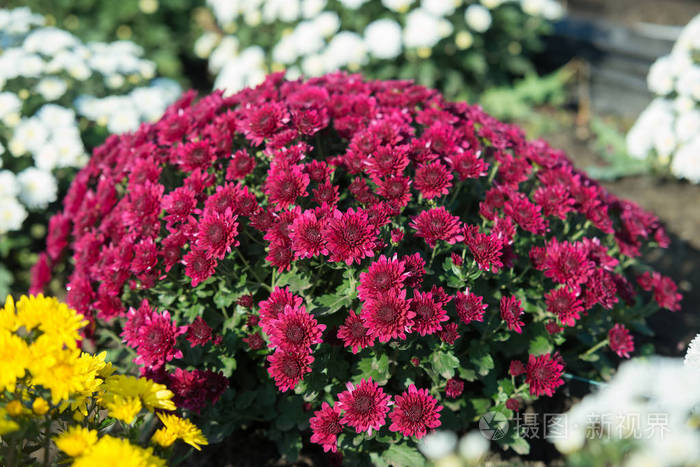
{"x": 640, "y": 138}
{"x": 400, "y": 6}
{"x": 30, "y": 135}
{"x": 313, "y": 65}
{"x": 692, "y": 356}
{"x": 439, "y": 7}
{"x": 473, "y": 446}
{"x": 205, "y": 44}
{"x": 9, "y": 188}
{"x": 37, "y": 188}
{"x": 124, "y": 119}
{"x": 225, "y": 11}
{"x": 553, "y": 10}
{"x": 533, "y": 7}
{"x": 248, "y": 69}
{"x": 12, "y": 215}
{"x": 30, "y": 66}
{"x": 477, "y": 17}
{"x": 311, "y": 8}
{"x": 383, "y": 38}
{"x": 226, "y": 51}
{"x": 49, "y": 41}
{"x": 345, "y": 49}
{"x": 660, "y": 78}
{"x": 285, "y": 51}
{"x": 327, "y": 23}
{"x": 70, "y": 151}
{"x": 687, "y": 125}
{"x": 686, "y": 161}
{"x": 423, "y": 29}
{"x": 56, "y": 117}
{"x": 282, "y": 10}
{"x": 688, "y": 83}
{"x": 437, "y": 444}
{"x": 52, "y": 88}
{"x": 10, "y": 104}
{"x": 308, "y": 38}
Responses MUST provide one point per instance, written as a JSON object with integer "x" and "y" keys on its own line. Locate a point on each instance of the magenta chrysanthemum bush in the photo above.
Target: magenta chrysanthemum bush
{"x": 352, "y": 263}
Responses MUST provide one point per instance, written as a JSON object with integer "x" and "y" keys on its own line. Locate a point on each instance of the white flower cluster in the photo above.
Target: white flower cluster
{"x": 316, "y": 41}
{"x": 669, "y": 128}
{"x": 692, "y": 356}
{"x": 49, "y": 81}
{"x": 654, "y": 402}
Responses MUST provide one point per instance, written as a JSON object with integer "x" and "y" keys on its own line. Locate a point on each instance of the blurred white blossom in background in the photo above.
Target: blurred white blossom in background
{"x": 668, "y": 130}
{"x": 309, "y": 37}
{"x": 54, "y": 90}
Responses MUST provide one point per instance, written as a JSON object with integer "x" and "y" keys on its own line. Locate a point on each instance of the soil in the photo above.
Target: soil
{"x": 631, "y": 12}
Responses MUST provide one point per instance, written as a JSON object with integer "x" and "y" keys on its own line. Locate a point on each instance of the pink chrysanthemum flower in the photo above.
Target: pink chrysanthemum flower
{"x": 454, "y": 388}
{"x": 382, "y": 276}
{"x": 666, "y": 293}
{"x": 199, "y": 332}
{"x": 429, "y": 313}
{"x": 276, "y": 303}
{"x": 354, "y": 334}
{"x": 470, "y": 307}
{"x": 217, "y": 233}
{"x": 544, "y": 374}
{"x": 288, "y": 368}
{"x": 449, "y": 333}
{"x": 365, "y": 406}
{"x": 516, "y": 368}
{"x": 325, "y": 427}
{"x": 156, "y": 339}
{"x": 433, "y": 180}
{"x": 350, "y": 236}
{"x": 467, "y": 165}
{"x": 265, "y": 120}
{"x": 388, "y": 316}
{"x": 415, "y": 269}
{"x": 396, "y": 189}
{"x": 240, "y": 165}
{"x": 486, "y": 249}
{"x": 296, "y": 330}
{"x": 565, "y": 305}
{"x": 199, "y": 265}
{"x": 306, "y": 233}
{"x": 387, "y": 160}
{"x": 621, "y": 341}
{"x": 195, "y": 155}
{"x": 285, "y": 184}
{"x": 567, "y": 263}
{"x": 437, "y": 224}
{"x": 511, "y": 312}
{"x": 280, "y": 254}
{"x": 415, "y": 412}
{"x": 179, "y": 204}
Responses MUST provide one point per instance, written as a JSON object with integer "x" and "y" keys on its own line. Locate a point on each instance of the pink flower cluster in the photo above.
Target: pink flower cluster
{"x": 385, "y": 180}
{"x": 364, "y": 407}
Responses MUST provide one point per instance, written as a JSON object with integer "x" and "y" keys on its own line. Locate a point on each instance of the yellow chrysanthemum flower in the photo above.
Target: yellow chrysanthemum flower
{"x": 40, "y": 406}
{"x": 93, "y": 365}
{"x": 76, "y": 440}
{"x": 8, "y": 319}
{"x": 115, "y": 452}
{"x": 163, "y": 437}
{"x": 183, "y": 429}
{"x": 14, "y": 357}
{"x": 124, "y": 408}
{"x": 14, "y": 408}
{"x": 6, "y": 425}
{"x": 63, "y": 324}
{"x": 61, "y": 371}
{"x": 31, "y": 311}
{"x": 153, "y": 395}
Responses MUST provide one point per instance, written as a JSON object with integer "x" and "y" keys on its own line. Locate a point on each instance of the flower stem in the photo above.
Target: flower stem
{"x": 600, "y": 344}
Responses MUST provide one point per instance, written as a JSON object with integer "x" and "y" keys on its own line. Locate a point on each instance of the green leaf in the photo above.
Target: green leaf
{"x": 330, "y": 303}
{"x": 444, "y": 363}
{"x": 540, "y": 345}
{"x": 480, "y": 357}
{"x": 295, "y": 280}
{"x": 375, "y": 367}
{"x": 401, "y": 455}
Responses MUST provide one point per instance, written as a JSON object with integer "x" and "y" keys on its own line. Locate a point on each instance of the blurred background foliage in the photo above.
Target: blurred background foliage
{"x": 164, "y": 28}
